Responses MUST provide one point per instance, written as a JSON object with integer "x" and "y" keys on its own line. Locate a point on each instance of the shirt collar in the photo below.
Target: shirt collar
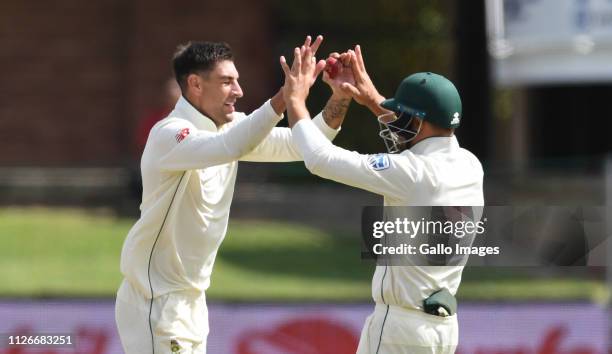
{"x": 433, "y": 144}
{"x": 185, "y": 110}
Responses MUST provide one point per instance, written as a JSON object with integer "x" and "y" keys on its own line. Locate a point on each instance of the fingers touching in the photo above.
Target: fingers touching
{"x": 303, "y": 71}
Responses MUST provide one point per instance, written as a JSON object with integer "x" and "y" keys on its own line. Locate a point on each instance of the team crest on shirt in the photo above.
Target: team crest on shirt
{"x": 379, "y": 162}
{"x": 181, "y": 135}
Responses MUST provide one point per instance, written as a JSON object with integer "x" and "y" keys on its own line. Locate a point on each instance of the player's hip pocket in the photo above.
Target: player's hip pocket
{"x": 181, "y": 316}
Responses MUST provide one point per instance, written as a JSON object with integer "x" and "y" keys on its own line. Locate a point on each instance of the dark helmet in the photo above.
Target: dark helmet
{"x": 426, "y": 96}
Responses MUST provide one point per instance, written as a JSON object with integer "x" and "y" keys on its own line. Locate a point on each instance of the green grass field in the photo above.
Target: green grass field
{"x": 66, "y": 252}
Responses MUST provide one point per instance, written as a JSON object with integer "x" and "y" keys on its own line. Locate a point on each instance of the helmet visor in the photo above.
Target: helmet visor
{"x": 396, "y": 131}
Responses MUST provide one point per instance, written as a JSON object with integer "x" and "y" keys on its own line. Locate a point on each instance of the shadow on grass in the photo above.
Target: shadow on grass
{"x": 333, "y": 256}
{"x": 337, "y": 255}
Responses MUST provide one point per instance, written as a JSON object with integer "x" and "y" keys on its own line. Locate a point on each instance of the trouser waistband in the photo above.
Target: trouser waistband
{"x": 405, "y": 311}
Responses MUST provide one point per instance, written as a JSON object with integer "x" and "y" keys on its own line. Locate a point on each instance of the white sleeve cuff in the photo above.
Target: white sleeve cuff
{"x": 308, "y": 138}
{"x": 319, "y": 122}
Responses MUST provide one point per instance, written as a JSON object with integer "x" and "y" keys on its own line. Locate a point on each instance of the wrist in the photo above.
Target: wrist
{"x": 340, "y": 95}
{"x": 296, "y": 110}
{"x": 295, "y": 102}
{"x": 374, "y": 104}
{"x": 278, "y": 103}
{"x": 374, "y": 99}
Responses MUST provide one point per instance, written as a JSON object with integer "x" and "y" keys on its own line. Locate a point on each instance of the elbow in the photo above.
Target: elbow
{"x": 235, "y": 154}
{"x": 312, "y": 162}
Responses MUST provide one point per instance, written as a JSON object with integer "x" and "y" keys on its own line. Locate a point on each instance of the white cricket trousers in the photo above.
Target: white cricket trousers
{"x": 396, "y": 330}
{"x": 176, "y": 321}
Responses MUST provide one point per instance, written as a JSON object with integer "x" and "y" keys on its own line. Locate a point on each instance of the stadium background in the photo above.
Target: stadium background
{"x": 78, "y": 77}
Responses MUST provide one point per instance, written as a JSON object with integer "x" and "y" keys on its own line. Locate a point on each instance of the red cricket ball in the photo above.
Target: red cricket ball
{"x": 332, "y": 67}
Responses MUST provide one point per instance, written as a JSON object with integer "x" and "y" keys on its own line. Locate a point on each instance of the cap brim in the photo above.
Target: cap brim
{"x": 394, "y": 106}
{"x": 389, "y": 104}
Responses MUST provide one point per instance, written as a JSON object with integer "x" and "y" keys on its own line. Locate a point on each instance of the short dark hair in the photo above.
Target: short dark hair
{"x": 196, "y": 57}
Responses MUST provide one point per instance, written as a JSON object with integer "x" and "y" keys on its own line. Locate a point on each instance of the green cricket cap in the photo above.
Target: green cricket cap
{"x": 429, "y": 96}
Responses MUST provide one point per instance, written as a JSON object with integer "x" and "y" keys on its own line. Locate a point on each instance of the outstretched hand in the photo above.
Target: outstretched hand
{"x": 362, "y": 90}
{"x": 301, "y": 75}
{"x": 278, "y": 100}
{"x": 299, "y": 78}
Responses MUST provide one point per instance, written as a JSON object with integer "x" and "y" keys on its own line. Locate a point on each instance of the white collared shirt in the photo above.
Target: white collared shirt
{"x": 188, "y": 174}
{"x": 434, "y": 172}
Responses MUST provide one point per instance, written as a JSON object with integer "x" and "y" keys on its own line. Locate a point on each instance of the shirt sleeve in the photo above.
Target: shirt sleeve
{"x": 181, "y": 146}
{"x": 278, "y": 146}
{"x": 385, "y": 174}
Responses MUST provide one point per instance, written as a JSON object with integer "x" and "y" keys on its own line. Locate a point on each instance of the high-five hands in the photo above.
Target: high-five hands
{"x": 362, "y": 89}
{"x": 303, "y": 72}
{"x": 300, "y": 77}
{"x": 278, "y": 100}
{"x": 351, "y": 80}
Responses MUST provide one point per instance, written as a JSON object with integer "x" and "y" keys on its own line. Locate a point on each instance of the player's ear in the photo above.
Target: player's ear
{"x": 416, "y": 122}
{"x": 194, "y": 83}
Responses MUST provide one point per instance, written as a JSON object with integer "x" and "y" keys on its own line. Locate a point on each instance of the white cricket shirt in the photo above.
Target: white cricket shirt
{"x": 434, "y": 172}
{"x": 188, "y": 174}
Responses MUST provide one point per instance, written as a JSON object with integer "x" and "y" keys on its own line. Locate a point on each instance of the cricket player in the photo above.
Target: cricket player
{"x": 189, "y": 167}
{"x": 425, "y": 167}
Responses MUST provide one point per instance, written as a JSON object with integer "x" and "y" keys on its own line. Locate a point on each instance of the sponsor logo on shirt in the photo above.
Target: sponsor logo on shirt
{"x": 379, "y": 162}
{"x": 182, "y": 134}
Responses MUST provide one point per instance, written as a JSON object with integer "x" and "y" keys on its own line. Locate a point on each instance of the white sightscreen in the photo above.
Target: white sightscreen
{"x": 550, "y": 41}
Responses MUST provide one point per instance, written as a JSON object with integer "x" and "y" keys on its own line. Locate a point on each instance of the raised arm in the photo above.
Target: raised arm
{"x": 337, "y": 105}
{"x": 384, "y": 174}
{"x": 298, "y": 80}
{"x": 181, "y": 146}
{"x": 369, "y": 172}
{"x": 278, "y": 145}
